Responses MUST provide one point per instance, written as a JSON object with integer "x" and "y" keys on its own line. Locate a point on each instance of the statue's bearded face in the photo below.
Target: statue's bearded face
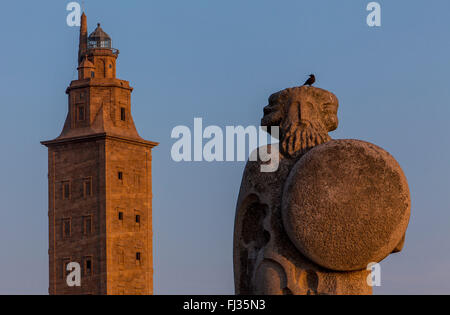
{"x": 305, "y": 115}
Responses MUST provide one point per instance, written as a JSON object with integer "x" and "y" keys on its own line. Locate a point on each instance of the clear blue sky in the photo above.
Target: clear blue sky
{"x": 220, "y": 60}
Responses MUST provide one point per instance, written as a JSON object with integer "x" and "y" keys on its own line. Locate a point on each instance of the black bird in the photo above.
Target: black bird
{"x": 311, "y": 80}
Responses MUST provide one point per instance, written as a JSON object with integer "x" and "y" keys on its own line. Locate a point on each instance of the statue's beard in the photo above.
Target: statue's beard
{"x": 299, "y": 139}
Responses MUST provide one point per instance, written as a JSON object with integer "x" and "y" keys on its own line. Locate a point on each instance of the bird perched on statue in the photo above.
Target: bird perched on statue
{"x": 311, "y": 80}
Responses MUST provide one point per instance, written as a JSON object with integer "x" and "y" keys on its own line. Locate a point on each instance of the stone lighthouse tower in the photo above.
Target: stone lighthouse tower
{"x": 100, "y": 191}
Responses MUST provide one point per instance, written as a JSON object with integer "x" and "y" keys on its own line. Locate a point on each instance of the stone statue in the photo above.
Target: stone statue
{"x": 330, "y": 210}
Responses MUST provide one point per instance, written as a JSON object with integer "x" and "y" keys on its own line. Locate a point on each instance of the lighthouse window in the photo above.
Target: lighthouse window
{"x": 66, "y": 190}
{"x": 88, "y": 266}
{"x": 123, "y": 115}
{"x": 87, "y": 187}
{"x": 66, "y": 228}
{"x": 81, "y": 113}
{"x": 87, "y": 225}
{"x": 105, "y": 44}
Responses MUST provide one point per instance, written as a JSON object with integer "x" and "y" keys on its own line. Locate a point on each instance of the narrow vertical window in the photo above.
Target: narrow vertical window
{"x": 92, "y": 74}
{"x": 88, "y": 266}
{"x": 120, "y": 175}
{"x": 81, "y": 113}
{"x": 66, "y": 190}
{"x": 137, "y": 220}
{"x": 66, "y": 228}
{"x": 120, "y": 216}
{"x": 138, "y": 257}
{"x": 87, "y": 225}
{"x": 123, "y": 115}
{"x": 87, "y": 187}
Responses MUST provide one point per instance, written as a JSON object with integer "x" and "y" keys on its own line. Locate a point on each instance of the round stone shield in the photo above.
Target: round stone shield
{"x": 346, "y": 203}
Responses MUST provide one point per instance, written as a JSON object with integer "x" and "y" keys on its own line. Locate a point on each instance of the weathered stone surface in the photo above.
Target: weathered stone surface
{"x": 268, "y": 259}
{"x": 346, "y": 204}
